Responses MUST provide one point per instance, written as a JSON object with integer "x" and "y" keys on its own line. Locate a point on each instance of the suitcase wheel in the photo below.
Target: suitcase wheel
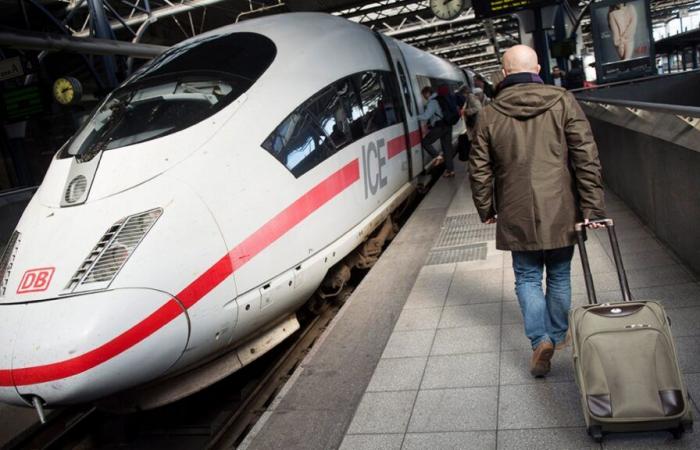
{"x": 687, "y": 426}
{"x": 677, "y": 432}
{"x": 596, "y": 433}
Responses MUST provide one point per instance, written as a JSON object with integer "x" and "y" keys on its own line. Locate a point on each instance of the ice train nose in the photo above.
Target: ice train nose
{"x": 80, "y": 348}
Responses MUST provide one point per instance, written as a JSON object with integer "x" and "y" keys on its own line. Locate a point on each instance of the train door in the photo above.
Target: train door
{"x": 412, "y": 126}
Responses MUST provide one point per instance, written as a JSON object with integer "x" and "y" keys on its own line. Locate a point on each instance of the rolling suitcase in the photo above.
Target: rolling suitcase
{"x": 463, "y": 147}
{"x": 625, "y": 359}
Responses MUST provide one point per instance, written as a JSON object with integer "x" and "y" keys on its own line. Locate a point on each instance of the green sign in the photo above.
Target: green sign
{"x": 21, "y": 102}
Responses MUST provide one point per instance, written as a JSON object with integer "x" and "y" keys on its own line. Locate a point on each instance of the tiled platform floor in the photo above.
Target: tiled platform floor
{"x": 454, "y": 373}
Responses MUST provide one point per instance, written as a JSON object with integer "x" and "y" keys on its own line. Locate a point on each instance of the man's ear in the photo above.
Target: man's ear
{"x": 503, "y": 71}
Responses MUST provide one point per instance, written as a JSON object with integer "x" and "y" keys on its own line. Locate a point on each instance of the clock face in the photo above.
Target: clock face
{"x": 447, "y": 9}
{"x": 66, "y": 90}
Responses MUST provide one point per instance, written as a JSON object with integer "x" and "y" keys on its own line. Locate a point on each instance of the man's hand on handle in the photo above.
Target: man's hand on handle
{"x": 592, "y": 225}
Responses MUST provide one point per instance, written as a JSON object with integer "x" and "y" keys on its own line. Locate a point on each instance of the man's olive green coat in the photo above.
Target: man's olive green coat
{"x": 534, "y": 163}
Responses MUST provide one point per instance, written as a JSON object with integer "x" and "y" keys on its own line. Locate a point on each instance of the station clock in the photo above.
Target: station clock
{"x": 447, "y": 9}
{"x": 67, "y": 90}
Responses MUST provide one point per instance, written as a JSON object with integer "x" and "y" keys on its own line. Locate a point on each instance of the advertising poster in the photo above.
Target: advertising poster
{"x": 622, "y": 39}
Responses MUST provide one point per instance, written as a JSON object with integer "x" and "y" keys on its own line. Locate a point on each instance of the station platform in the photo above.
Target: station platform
{"x": 430, "y": 352}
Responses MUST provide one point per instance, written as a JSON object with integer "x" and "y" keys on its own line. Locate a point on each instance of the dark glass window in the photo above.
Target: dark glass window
{"x": 244, "y": 55}
{"x": 338, "y": 112}
{"x": 392, "y": 99}
{"x": 178, "y": 89}
{"x": 377, "y": 101}
{"x": 334, "y": 117}
{"x": 406, "y": 90}
{"x": 299, "y": 143}
{"x": 352, "y": 106}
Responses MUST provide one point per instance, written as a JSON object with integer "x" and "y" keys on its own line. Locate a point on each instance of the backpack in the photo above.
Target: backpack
{"x": 448, "y": 105}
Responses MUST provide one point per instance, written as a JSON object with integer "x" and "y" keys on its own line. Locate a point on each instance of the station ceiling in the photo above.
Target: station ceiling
{"x": 466, "y": 41}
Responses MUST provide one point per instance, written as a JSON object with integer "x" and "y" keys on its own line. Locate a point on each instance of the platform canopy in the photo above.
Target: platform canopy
{"x": 467, "y": 41}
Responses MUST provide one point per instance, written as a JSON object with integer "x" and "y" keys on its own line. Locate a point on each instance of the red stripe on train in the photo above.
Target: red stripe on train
{"x": 398, "y": 144}
{"x": 196, "y": 290}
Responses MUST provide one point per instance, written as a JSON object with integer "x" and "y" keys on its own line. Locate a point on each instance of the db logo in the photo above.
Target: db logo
{"x": 36, "y": 280}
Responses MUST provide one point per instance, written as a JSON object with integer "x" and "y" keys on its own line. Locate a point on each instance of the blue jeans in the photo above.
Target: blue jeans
{"x": 546, "y": 316}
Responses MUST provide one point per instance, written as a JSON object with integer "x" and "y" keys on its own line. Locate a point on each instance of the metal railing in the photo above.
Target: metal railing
{"x": 656, "y": 107}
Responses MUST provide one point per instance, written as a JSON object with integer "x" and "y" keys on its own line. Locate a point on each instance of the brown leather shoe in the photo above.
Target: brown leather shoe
{"x": 541, "y": 357}
{"x": 565, "y": 343}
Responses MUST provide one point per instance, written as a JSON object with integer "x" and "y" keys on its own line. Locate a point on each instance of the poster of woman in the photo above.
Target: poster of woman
{"x": 622, "y": 20}
{"x": 624, "y": 33}
{"x": 622, "y": 37}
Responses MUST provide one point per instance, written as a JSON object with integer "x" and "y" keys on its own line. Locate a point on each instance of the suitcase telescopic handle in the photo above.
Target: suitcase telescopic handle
{"x": 588, "y": 277}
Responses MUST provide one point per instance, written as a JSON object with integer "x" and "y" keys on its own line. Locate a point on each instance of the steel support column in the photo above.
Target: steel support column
{"x": 101, "y": 29}
{"x": 539, "y": 36}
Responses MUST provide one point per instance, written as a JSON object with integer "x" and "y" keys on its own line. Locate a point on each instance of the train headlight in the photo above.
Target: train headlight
{"x": 112, "y": 251}
{"x": 76, "y": 189}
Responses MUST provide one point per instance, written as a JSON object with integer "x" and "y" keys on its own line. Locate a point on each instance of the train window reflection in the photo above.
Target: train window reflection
{"x": 299, "y": 143}
{"x": 336, "y": 116}
{"x": 130, "y": 116}
{"x": 406, "y": 91}
{"x": 183, "y": 86}
{"x": 328, "y": 109}
{"x": 377, "y": 102}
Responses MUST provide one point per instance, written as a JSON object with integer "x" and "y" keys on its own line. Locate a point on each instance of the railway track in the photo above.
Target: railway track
{"x": 216, "y": 418}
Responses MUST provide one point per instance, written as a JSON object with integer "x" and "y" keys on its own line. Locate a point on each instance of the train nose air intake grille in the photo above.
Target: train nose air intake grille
{"x": 7, "y": 258}
{"x": 113, "y": 250}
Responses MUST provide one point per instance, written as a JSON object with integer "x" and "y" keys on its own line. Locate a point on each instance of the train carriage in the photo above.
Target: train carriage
{"x": 203, "y": 203}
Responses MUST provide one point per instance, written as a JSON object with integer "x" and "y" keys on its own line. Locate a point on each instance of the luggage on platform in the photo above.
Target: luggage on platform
{"x": 463, "y": 147}
{"x": 625, "y": 359}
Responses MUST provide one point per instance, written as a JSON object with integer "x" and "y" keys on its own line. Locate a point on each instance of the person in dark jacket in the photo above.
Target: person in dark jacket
{"x": 558, "y": 77}
{"x": 534, "y": 152}
{"x": 576, "y": 76}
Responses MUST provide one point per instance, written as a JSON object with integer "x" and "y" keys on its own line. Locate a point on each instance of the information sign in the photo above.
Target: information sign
{"x": 21, "y": 103}
{"x": 11, "y": 68}
{"x": 492, "y": 8}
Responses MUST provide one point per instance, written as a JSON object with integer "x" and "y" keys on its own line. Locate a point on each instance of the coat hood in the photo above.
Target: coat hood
{"x": 526, "y": 100}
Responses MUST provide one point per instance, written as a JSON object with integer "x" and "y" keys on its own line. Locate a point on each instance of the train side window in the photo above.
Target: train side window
{"x": 350, "y": 99}
{"x": 333, "y": 118}
{"x": 392, "y": 103}
{"x": 379, "y": 111}
{"x": 405, "y": 89}
{"x": 331, "y": 113}
{"x": 299, "y": 143}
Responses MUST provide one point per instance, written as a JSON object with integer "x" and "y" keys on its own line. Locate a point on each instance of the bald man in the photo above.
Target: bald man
{"x": 534, "y": 152}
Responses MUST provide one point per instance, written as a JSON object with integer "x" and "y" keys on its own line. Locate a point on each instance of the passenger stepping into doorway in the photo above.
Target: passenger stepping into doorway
{"x": 535, "y": 153}
{"x": 438, "y": 129}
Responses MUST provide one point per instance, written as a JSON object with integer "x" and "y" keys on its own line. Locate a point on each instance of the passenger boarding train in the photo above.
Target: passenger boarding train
{"x": 203, "y": 202}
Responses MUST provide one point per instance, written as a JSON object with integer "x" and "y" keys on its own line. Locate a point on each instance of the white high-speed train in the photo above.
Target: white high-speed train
{"x": 176, "y": 234}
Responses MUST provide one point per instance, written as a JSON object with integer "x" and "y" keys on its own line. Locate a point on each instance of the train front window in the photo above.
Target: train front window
{"x": 130, "y": 116}
{"x": 185, "y": 85}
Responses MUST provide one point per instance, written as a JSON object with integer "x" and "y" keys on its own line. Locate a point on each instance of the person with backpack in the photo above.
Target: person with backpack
{"x": 440, "y": 113}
